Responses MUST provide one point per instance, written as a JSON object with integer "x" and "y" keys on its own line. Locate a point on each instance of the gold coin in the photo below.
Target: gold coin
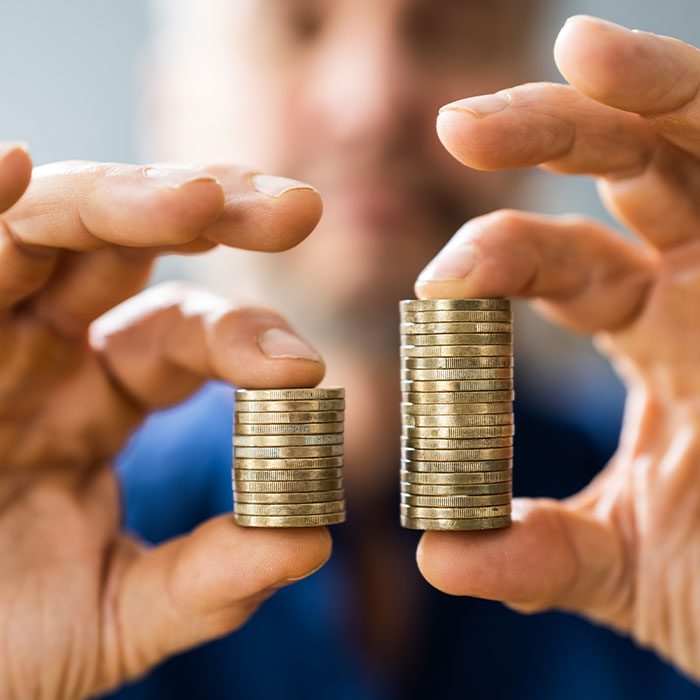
{"x": 453, "y": 444}
{"x": 498, "y": 499}
{"x": 287, "y": 440}
{"x": 288, "y": 509}
{"x": 411, "y": 363}
{"x": 283, "y": 452}
{"x": 287, "y": 498}
{"x": 433, "y": 375}
{"x": 291, "y": 429}
{"x": 285, "y": 474}
{"x": 290, "y": 521}
{"x": 455, "y": 479}
{"x": 502, "y": 487}
{"x": 447, "y": 397}
{"x": 455, "y": 525}
{"x": 456, "y": 350}
{"x": 456, "y": 316}
{"x": 484, "y": 431}
{"x": 458, "y": 339}
{"x": 459, "y": 385}
{"x": 454, "y": 304}
{"x": 460, "y": 327}
{"x": 289, "y": 417}
{"x": 286, "y": 406}
{"x": 476, "y": 512}
{"x": 456, "y": 421}
{"x": 303, "y": 463}
{"x": 484, "y": 465}
{"x": 289, "y": 394}
{"x": 456, "y": 455}
{"x": 288, "y": 486}
{"x": 451, "y": 409}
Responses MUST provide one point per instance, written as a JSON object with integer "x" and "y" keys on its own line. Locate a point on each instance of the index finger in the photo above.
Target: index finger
{"x": 89, "y": 207}
{"x": 655, "y": 76}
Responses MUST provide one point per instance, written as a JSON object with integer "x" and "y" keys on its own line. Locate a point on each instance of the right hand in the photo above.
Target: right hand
{"x": 84, "y": 606}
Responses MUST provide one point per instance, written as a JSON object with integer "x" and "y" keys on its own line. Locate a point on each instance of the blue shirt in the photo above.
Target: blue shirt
{"x": 176, "y": 472}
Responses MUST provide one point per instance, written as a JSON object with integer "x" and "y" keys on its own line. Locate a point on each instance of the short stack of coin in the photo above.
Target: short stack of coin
{"x": 288, "y": 457}
{"x": 456, "y": 414}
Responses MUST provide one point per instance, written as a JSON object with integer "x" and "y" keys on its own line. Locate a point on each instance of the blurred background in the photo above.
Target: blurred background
{"x": 73, "y": 86}
{"x": 83, "y": 79}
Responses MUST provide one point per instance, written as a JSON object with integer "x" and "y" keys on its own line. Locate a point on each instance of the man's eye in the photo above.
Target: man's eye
{"x": 305, "y": 25}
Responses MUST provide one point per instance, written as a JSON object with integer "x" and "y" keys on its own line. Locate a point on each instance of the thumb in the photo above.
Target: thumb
{"x": 554, "y": 555}
{"x": 204, "y": 585}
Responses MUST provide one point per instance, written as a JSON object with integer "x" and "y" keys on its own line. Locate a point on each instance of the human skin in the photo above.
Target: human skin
{"x": 626, "y": 550}
{"x": 85, "y": 606}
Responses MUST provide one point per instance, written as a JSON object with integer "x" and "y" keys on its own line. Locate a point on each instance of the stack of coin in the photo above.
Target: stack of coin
{"x": 456, "y": 414}
{"x": 288, "y": 455}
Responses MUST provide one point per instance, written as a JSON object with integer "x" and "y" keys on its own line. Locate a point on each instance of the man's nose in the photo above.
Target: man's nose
{"x": 360, "y": 88}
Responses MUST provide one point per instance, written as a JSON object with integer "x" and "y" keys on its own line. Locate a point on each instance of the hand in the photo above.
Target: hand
{"x": 626, "y": 550}
{"x": 84, "y": 606}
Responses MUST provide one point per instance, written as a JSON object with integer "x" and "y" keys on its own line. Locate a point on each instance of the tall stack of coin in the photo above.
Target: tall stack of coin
{"x": 456, "y": 414}
{"x": 288, "y": 456}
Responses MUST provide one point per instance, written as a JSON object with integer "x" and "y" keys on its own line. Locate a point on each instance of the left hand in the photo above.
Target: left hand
{"x": 626, "y": 550}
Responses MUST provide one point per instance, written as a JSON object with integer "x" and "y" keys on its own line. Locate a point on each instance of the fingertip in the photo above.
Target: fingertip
{"x": 588, "y": 57}
{"x": 15, "y": 172}
{"x": 290, "y": 219}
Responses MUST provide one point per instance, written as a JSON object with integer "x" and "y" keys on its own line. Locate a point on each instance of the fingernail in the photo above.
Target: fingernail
{"x": 480, "y": 105}
{"x": 274, "y": 186}
{"x": 8, "y": 147}
{"x": 451, "y": 264}
{"x": 278, "y": 343}
{"x": 174, "y": 178}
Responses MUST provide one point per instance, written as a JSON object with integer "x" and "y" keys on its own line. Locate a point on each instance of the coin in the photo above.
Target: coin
{"x": 456, "y": 455}
{"x": 456, "y": 316}
{"x": 432, "y": 375}
{"x": 303, "y": 463}
{"x": 411, "y": 363}
{"x": 447, "y": 397}
{"x": 282, "y": 498}
{"x": 282, "y": 452}
{"x": 455, "y": 478}
{"x": 454, "y": 304}
{"x": 457, "y": 489}
{"x": 288, "y": 417}
{"x": 468, "y": 327}
{"x": 290, "y": 520}
{"x": 288, "y": 486}
{"x": 287, "y": 440}
{"x": 459, "y": 385}
{"x": 453, "y": 444}
{"x": 457, "y": 421}
{"x": 455, "y": 524}
{"x": 505, "y": 407}
{"x": 484, "y": 465}
{"x": 286, "y": 406}
{"x": 288, "y": 509}
{"x": 476, "y": 512}
{"x": 498, "y": 499}
{"x": 458, "y": 339}
{"x": 455, "y": 350}
{"x": 285, "y": 474}
{"x": 289, "y": 394}
{"x": 291, "y": 429}
{"x": 484, "y": 431}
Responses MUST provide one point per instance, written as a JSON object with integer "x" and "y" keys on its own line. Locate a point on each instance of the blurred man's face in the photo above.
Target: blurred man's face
{"x": 343, "y": 94}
